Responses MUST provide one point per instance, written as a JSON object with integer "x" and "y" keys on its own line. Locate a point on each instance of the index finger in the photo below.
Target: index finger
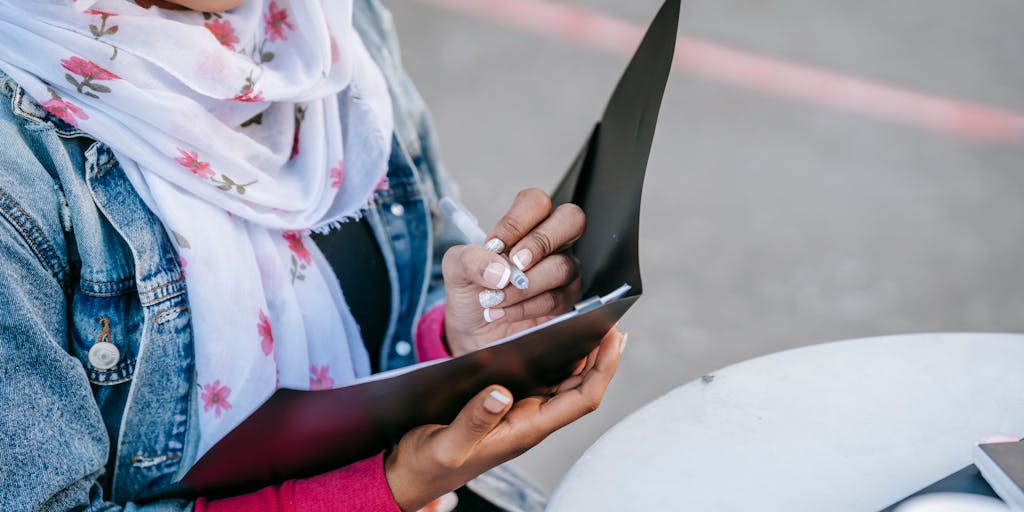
{"x": 529, "y": 208}
{"x": 559, "y": 231}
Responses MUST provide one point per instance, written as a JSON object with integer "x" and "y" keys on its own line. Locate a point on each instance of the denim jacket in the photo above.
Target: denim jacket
{"x": 83, "y": 259}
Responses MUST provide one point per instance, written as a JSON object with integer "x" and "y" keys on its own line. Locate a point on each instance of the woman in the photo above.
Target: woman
{"x": 163, "y": 167}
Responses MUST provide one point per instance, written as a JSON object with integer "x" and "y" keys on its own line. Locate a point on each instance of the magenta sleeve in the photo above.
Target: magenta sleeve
{"x": 358, "y": 487}
{"x": 430, "y": 335}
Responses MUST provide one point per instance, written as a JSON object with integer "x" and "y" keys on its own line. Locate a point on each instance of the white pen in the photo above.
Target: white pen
{"x": 465, "y": 222}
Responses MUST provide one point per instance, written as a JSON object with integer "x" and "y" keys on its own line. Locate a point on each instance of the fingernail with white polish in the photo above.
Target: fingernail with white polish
{"x": 522, "y": 258}
{"x": 495, "y": 245}
{"x": 622, "y": 342}
{"x": 493, "y": 314}
{"x": 491, "y": 298}
{"x": 497, "y": 275}
{"x": 496, "y": 401}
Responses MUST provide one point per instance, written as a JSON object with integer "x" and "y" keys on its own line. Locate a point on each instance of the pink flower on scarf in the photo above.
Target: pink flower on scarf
{"x": 297, "y": 246}
{"x": 66, "y": 111}
{"x": 337, "y": 174}
{"x": 224, "y": 32}
{"x": 95, "y": 12}
{"x": 87, "y": 69}
{"x": 266, "y": 334}
{"x": 249, "y": 96}
{"x": 190, "y": 160}
{"x": 215, "y": 396}
{"x": 318, "y": 378}
{"x": 276, "y": 20}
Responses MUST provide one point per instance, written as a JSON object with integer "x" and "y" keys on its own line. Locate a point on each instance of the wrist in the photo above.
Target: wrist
{"x": 451, "y": 335}
{"x": 396, "y": 481}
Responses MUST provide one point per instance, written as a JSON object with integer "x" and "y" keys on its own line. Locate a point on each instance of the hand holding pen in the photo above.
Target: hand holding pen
{"x": 465, "y": 222}
{"x": 481, "y": 307}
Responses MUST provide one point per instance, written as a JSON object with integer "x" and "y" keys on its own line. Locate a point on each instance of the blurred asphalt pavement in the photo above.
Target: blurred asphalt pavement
{"x": 768, "y": 224}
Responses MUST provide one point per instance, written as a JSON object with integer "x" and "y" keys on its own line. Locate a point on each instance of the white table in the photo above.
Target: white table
{"x": 845, "y": 426}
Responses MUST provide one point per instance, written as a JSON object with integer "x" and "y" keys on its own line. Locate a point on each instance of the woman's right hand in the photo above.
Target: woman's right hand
{"x": 432, "y": 460}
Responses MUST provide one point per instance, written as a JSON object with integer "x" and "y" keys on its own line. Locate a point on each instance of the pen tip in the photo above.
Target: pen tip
{"x": 519, "y": 280}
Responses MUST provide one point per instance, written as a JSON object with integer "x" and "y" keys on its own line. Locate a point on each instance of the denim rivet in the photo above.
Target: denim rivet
{"x": 403, "y": 348}
{"x": 397, "y": 210}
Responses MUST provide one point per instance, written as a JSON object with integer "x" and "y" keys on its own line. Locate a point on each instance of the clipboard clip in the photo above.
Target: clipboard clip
{"x": 587, "y": 304}
{"x": 596, "y": 301}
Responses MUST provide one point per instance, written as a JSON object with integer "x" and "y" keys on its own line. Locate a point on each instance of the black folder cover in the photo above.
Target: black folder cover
{"x": 301, "y": 433}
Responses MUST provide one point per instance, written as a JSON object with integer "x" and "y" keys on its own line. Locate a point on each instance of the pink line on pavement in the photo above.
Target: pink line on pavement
{"x": 759, "y": 73}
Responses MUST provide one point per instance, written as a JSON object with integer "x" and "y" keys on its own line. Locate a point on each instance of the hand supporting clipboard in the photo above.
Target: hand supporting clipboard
{"x": 301, "y": 433}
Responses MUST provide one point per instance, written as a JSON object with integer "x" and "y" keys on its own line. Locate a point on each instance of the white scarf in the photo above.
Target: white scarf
{"x": 242, "y": 131}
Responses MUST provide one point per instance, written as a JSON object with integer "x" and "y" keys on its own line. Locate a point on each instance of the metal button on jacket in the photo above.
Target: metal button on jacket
{"x": 403, "y": 348}
{"x": 397, "y": 210}
{"x": 104, "y": 355}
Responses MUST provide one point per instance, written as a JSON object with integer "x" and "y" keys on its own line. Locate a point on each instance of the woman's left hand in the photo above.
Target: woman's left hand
{"x": 431, "y": 460}
{"x": 482, "y": 306}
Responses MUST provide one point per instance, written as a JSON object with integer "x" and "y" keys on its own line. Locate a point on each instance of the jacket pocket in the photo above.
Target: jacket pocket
{"x": 106, "y": 328}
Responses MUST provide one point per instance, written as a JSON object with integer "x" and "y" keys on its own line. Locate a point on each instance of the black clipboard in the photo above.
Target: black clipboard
{"x": 296, "y": 433}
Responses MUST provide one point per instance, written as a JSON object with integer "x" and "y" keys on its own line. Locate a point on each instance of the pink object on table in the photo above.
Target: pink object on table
{"x": 1000, "y": 438}
{"x": 359, "y": 487}
{"x": 430, "y": 335}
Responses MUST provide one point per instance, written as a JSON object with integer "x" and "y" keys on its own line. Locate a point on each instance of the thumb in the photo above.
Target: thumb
{"x": 476, "y": 420}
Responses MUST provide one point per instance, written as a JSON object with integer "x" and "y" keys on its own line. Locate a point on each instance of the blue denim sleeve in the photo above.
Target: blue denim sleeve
{"x": 445, "y": 234}
{"x": 53, "y": 443}
{"x": 413, "y": 124}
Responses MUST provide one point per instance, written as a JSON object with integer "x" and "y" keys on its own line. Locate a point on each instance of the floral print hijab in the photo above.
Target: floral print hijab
{"x": 242, "y": 131}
